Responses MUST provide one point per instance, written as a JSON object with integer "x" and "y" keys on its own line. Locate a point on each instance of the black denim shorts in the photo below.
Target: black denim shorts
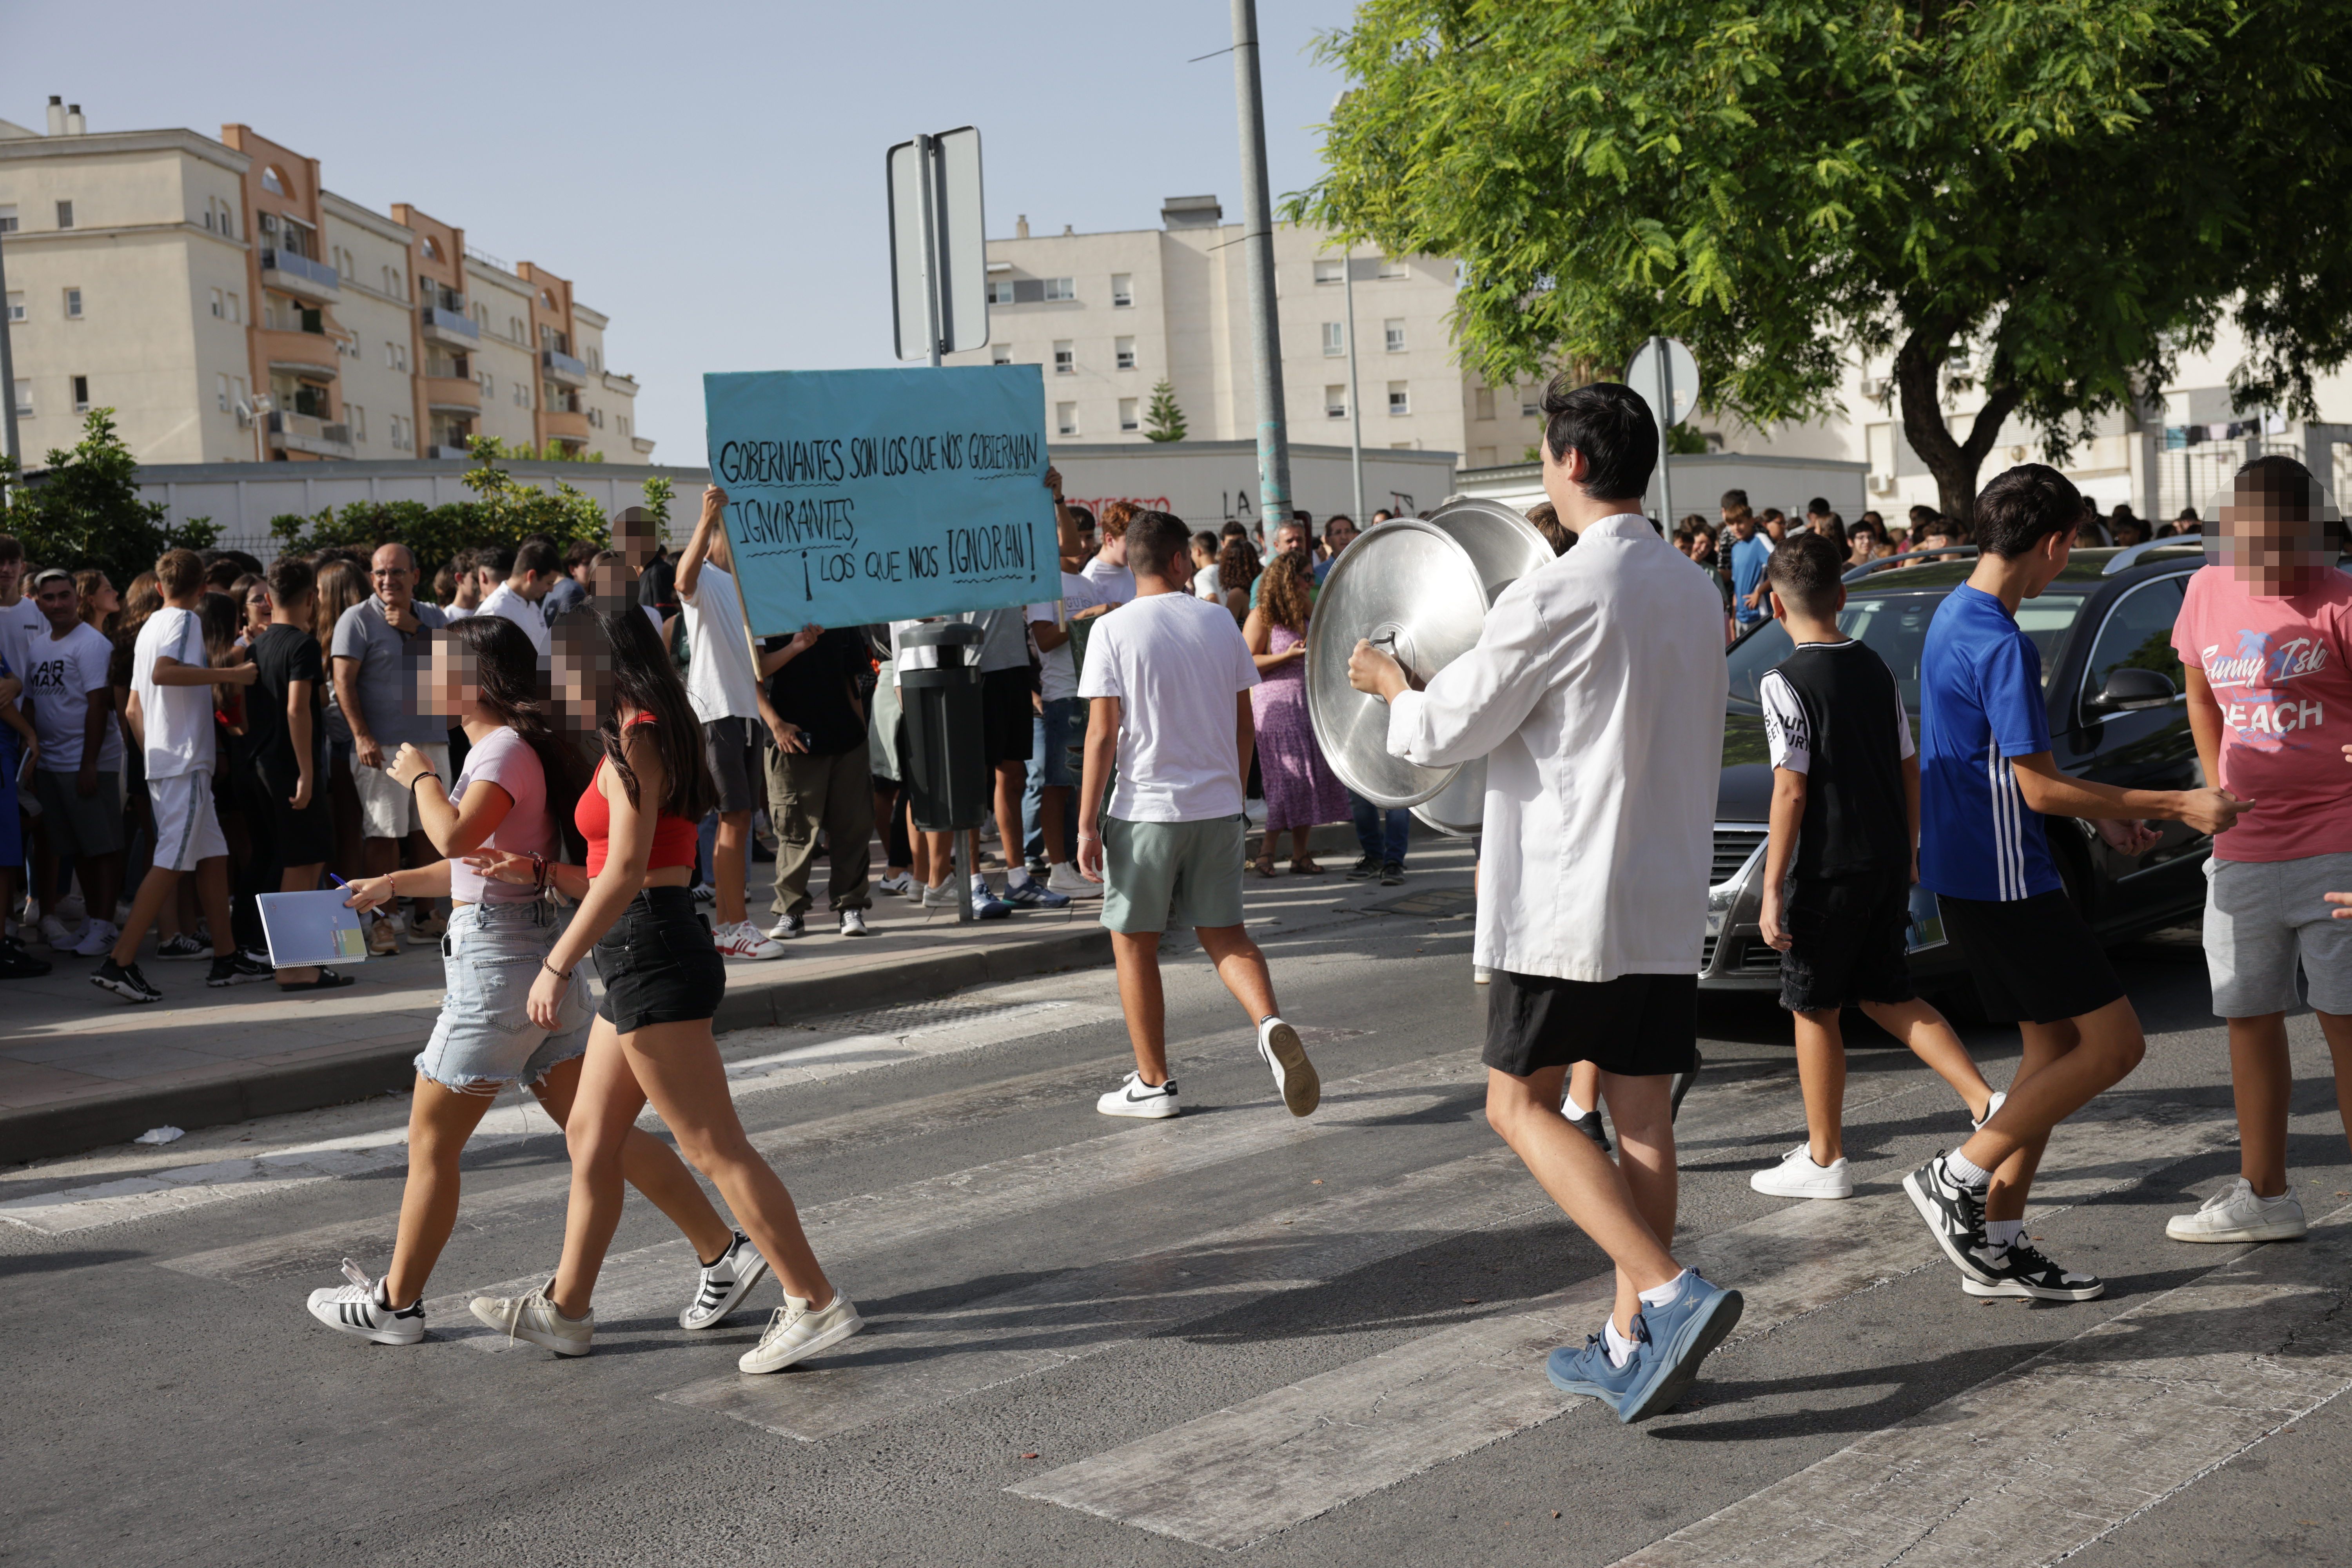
{"x": 658, "y": 965}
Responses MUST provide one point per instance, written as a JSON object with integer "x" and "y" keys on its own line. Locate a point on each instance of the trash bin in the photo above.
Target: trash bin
{"x": 947, "y": 777}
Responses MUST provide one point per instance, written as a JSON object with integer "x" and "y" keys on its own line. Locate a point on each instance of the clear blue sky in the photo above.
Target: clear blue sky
{"x": 710, "y": 175}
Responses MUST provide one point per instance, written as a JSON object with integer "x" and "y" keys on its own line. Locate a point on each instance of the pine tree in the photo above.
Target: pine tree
{"x": 1163, "y": 421}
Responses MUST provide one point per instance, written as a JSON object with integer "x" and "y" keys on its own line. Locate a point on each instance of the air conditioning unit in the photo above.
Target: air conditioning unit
{"x": 1875, "y": 386}
{"x": 1882, "y": 484}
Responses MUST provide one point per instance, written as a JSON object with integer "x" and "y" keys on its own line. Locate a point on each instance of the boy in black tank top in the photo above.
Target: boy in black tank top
{"x": 1841, "y": 860}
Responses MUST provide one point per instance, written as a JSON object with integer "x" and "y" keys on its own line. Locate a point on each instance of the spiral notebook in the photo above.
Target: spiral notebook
{"x": 312, "y": 928}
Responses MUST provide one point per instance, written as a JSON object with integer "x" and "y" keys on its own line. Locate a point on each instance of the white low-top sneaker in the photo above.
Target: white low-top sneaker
{"x": 359, "y": 1309}
{"x": 796, "y": 1333}
{"x": 1134, "y": 1096}
{"x": 2237, "y": 1213}
{"x": 898, "y": 884}
{"x": 1992, "y": 1109}
{"x": 724, "y": 1284}
{"x": 943, "y": 896}
{"x": 1070, "y": 882}
{"x": 852, "y": 924}
{"x": 532, "y": 1316}
{"x": 97, "y": 937}
{"x": 1796, "y": 1176}
{"x": 744, "y": 940}
{"x": 1294, "y": 1075}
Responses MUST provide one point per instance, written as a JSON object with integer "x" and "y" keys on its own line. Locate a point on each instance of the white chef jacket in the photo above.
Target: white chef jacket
{"x": 1596, "y": 695}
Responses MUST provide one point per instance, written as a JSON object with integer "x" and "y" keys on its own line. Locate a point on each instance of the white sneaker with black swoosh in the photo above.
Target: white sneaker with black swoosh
{"x": 1135, "y": 1098}
{"x": 359, "y": 1309}
{"x": 1301, "y": 1087}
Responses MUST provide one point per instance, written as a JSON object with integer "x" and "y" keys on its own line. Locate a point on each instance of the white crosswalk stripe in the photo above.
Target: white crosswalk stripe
{"x": 1237, "y": 1475}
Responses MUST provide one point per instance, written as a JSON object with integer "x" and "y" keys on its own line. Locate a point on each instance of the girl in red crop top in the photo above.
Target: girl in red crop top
{"x": 674, "y": 837}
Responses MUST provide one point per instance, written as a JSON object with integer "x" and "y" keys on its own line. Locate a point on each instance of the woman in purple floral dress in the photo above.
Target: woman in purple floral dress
{"x": 1300, "y": 788}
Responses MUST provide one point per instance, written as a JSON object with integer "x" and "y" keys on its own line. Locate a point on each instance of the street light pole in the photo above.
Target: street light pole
{"x": 1355, "y": 409}
{"x": 1257, "y": 257}
{"x": 8, "y": 374}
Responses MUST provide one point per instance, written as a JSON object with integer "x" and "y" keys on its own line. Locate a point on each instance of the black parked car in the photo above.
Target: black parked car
{"x": 2118, "y": 715}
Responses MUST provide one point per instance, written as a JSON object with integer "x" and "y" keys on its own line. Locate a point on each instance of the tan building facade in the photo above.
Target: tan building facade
{"x": 229, "y": 308}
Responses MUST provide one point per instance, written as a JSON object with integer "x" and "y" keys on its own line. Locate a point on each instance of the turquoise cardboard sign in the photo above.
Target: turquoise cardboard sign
{"x": 856, "y": 496}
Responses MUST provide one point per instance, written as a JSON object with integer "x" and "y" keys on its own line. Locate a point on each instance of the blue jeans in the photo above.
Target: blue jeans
{"x": 1379, "y": 846}
{"x": 1052, "y": 733}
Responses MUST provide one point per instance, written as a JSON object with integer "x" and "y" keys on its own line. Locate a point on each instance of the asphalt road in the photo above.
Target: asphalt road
{"x": 1103, "y": 1342}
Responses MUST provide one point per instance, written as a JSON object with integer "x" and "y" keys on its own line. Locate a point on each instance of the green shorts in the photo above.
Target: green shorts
{"x": 1162, "y": 874}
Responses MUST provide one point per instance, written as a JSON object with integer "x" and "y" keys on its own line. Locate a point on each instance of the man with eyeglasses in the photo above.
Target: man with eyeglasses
{"x": 379, "y": 644}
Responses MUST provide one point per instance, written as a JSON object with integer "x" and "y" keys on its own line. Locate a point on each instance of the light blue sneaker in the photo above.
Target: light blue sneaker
{"x": 1033, "y": 894}
{"x": 1589, "y": 1371}
{"x": 989, "y": 906}
{"x": 1672, "y": 1340}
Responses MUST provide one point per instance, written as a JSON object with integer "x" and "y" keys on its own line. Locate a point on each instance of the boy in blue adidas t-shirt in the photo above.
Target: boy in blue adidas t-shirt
{"x": 1987, "y": 779}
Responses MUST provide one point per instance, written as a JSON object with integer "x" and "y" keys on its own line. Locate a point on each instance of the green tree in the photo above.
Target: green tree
{"x": 1163, "y": 421}
{"x": 2045, "y": 200}
{"x": 659, "y": 493}
{"x": 84, "y": 508}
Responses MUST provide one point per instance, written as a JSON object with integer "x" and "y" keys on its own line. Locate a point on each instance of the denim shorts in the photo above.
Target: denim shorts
{"x": 491, "y": 955}
{"x": 659, "y": 963}
{"x": 1057, "y": 735}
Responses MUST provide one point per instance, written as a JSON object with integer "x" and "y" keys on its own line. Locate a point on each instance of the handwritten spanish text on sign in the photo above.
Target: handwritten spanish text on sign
{"x": 856, "y": 496}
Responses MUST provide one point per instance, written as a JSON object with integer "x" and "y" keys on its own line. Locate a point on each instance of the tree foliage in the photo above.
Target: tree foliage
{"x": 504, "y": 510}
{"x": 1164, "y": 421}
{"x": 2047, "y": 199}
{"x": 84, "y": 508}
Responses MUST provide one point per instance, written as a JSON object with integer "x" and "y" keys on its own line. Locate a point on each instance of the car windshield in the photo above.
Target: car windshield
{"x": 1895, "y": 627}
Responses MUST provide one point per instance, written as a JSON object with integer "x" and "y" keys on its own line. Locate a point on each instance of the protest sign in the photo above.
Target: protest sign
{"x": 856, "y": 496}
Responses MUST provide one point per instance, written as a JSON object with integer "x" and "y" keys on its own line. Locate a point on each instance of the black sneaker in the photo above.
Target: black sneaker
{"x": 125, "y": 983}
{"x": 1391, "y": 873}
{"x": 182, "y": 946}
{"x": 240, "y": 970}
{"x": 16, "y": 963}
{"x": 1590, "y": 1125}
{"x": 2019, "y": 1269}
{"x": 1682, "y": 1085}
{"x": 1364, "y": 870}
{"x": 1955, "y": 1216}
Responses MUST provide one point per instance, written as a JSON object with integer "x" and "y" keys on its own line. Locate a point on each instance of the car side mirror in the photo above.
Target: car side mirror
{"x": 2129, "y": 689}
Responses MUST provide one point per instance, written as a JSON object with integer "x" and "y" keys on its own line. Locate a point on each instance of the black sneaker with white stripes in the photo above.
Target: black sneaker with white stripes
{"x": 240, "y": 969}
{"x": 359, "y": 1309}
{"x": 724, "y": 1284}
{"x": 2019, "y": 1269}
{"x": 124, "y": 981}
{"x": 1955, "y": 1216}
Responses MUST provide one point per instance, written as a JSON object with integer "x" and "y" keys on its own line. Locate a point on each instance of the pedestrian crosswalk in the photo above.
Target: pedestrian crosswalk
{"x": 2121, "y": 1413}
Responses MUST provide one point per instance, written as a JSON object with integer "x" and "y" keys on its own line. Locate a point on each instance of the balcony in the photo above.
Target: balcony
{"x": 561, "y": 368}
{"x": 306, "y": 434}
{"x": 299, "y": 276}
{"x": 561, "y": 427}
{"x": 451, "y": 395}
{"x": 450, "y": 328}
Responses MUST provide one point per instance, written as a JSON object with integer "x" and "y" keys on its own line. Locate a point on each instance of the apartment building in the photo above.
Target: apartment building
{"x": 1110, "y": 315}
{"x": 230, "y": 308}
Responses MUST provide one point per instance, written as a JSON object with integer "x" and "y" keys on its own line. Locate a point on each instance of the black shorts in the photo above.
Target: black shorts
{"x": 727, "y": 747}
{"x": 2033, "y": 959}
{"x": 304, "y": 838}
{"x": 1847, "y": 936}
{"x": 658, "y": 965}
{"x": 1636, "y": 1025}
{"x": 1007, "y": 720}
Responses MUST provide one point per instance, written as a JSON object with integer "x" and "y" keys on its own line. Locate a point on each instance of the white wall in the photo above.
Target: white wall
{"x": 1207, "y": 483}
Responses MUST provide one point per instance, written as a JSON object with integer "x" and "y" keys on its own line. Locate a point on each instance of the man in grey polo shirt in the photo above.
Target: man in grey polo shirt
{"x": 379, "y": 644}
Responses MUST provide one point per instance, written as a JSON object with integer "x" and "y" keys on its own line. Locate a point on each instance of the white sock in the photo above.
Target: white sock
{"x": 979, "y": 885}
{"x": 1619, "y": 1348}
{"x": 1015, "y": 877}
{"x": 1573, "y": 1112}
{"x": 1965, "y": 1171}
{"x": 2000, "y": 1233}
{"x": 1659, "y": 1295}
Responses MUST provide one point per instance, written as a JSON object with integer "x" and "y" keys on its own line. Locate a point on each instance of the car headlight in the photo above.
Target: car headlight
{"x": 1724, "y": 896}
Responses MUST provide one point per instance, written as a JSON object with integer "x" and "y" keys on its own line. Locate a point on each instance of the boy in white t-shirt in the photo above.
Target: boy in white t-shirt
{"x": 172, "y": 709}
{"x": 80, "y": 780}
{"x": 1168, "y": 681}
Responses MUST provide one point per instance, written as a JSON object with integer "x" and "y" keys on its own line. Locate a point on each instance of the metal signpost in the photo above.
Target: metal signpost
{"x": 938, "y": 297}
{"x": 1257, "y": 261}
{"x": 1667, "y": 379}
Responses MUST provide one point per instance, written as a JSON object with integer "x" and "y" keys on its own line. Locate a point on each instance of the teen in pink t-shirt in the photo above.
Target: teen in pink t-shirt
{"x": 2265, "y": 641}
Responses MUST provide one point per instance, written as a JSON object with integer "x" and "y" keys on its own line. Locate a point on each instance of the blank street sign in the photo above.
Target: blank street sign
{"x": 1641, "y": 375}
{"x": 949, "y": 164}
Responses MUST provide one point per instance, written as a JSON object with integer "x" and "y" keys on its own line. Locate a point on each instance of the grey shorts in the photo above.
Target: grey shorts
{"x": 2262, "y": 918}
{"x": 81, "y": 826}
{"x": 484, "y": 1039}
{"x": 727, "y": 746}
{"x": 1162, "y": 874}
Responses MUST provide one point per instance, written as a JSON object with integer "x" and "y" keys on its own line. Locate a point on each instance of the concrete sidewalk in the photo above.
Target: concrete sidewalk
{"x": 80, "y": 1068}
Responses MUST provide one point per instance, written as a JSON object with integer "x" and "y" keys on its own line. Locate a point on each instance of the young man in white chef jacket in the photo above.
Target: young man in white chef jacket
{"x": 1596, "y": 695}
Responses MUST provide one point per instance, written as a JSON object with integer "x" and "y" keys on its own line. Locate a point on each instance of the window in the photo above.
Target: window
{"x": 2138, "y": 636}
{"x": 65, "y": 215}
{"x": 1400, "y": 397}
{"x": 1481, "y": 402}
{"x": 1394, "y": 267}
{"x": 1531, "y": 404}
{"x": 73, "y": 304}
{"x": 1122, "y": 291}
{"x": 999, "y": 353}
{"x": 1335, "y": 339}
{"x": 487, "y": 382}
{"x": 514, "y": 328}
{"x": 16, "y": 304}
{"x": 1392, "y": 333}
{"x": 395, "y": 355}
{"x": 236, "y": 309}
{"x": 1125, "y": 350}
{"x": 356, "y": 417}
{"x": 1065, "y": 360}
{"x": 8, "y": 218}
{"x": 1061, "y": 288}
{"x": 23, "y": 400}
{"x": 82, "y": 393}
{"x": 220, "y": 392}
{"x": 625, "y": 425}
{"x": 1000, "y": 292}
{"x": 432, "y": 248}
{"x": 272, "y": 181}
{"x": 1128, "y": 419}
{"x": 220, "y": 306}
{"x": 1335, "y": 402}
{"x": 1330, "y": 272}
{"x": 1065, "y": 419}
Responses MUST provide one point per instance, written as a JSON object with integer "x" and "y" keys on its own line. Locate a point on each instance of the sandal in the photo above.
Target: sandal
{"x": 1304, "y": 865}
{"x": 1263, "y": 865}
{"x": 327, "y": 980}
